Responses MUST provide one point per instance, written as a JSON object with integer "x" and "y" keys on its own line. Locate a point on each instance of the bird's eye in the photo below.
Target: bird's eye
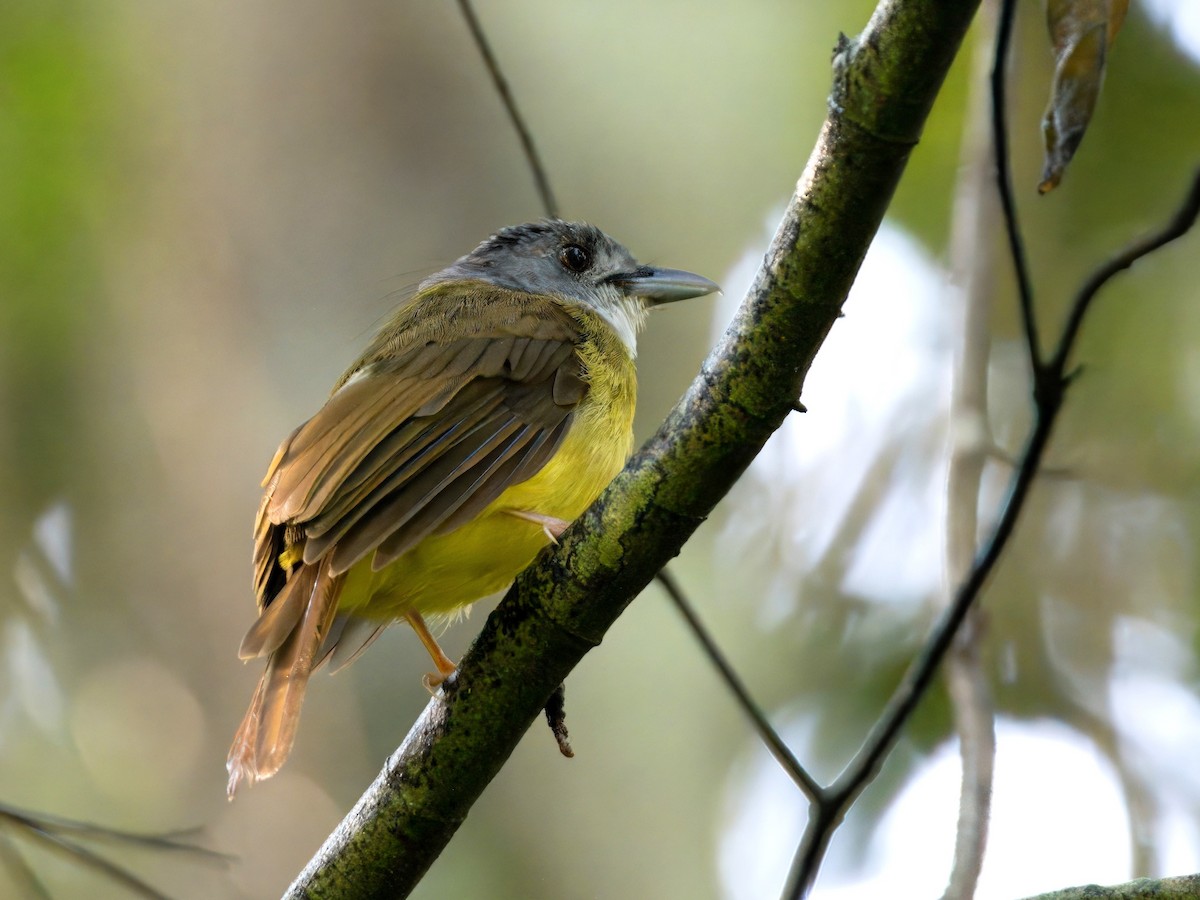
{"x": 574, "y": 258}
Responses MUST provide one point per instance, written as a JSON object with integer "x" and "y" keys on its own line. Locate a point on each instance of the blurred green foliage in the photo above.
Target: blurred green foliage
{"x": 206, "y": 208}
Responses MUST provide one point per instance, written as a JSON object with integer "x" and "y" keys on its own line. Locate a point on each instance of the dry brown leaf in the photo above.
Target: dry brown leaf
{"x": 1081, "y": 31}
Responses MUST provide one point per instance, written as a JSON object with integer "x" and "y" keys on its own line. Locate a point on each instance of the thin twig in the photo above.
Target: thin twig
{"x": 174, "y": 841}
{"x": 62, "y": 835}
{"x": 94, "y": 861}
{"x": 783, "y": 755}
{"x": 1180, "y": 224}
{"x": 1004, "y": 184}
{"x": 510, "y": 105}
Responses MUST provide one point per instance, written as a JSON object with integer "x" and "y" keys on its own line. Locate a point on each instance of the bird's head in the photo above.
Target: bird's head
{"x": 577, "y": 263}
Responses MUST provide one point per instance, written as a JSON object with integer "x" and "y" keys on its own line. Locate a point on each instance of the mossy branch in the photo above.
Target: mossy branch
{"x": 1184, "y": 887}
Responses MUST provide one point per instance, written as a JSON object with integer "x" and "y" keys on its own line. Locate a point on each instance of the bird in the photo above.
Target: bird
{"x": 485, "y": 416}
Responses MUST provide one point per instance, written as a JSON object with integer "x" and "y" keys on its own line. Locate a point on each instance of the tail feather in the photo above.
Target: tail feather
{"x": 347, "y": 640}
{"x": 268, "y": 730}
{"x": 242, "y": 763}
{"x": 279, "y": 620}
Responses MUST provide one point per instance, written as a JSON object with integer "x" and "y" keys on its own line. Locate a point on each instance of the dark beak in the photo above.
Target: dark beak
{"x": 657, "y": 286}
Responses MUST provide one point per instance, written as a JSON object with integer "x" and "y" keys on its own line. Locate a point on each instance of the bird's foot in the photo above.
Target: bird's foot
{"x": 552, "y": 526}
{"x": 445, "y": 665}
{"x": 433, "y": 681}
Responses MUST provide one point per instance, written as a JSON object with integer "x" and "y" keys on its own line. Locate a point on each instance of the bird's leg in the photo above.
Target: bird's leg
{"x": 445, "y": 665}
{"x": 552, "y": 527}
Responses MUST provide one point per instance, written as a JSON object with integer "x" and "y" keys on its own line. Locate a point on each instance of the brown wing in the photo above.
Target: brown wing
{"x": 417, "y": 444}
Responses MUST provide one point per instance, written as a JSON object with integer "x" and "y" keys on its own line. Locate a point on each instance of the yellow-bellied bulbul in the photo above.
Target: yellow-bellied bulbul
{"x": 484, "y": 417}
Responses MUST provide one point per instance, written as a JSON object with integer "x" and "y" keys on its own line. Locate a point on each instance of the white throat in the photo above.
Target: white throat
{"x": 626, "y": 316}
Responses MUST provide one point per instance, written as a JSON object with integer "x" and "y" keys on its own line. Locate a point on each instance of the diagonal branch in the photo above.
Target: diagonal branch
{"x": 549, "y": 204}
{"x": 1012, "y": 229}
{"x": 766, "y": 732}
{"x": 65, "y": 837}
{"x": 1179, "y": 225}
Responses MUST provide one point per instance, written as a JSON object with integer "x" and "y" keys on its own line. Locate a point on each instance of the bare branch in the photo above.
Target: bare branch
{"x": 782, "y": 753}
{"x": 1004, "y": 183}
{"x": 1177, "y": 227}
{"x": 510, "y": 105}
{"x": 63, "y": 837}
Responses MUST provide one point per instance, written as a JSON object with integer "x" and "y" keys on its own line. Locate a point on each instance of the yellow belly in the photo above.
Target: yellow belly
{"x": 446, "y": 572}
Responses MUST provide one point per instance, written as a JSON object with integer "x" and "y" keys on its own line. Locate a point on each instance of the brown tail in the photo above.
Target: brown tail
{"x": 265, "y": 737}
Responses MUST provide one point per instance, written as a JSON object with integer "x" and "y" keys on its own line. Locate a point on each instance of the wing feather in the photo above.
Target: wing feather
{"x": 333, "y": 525}
{"x": 420, "y": 441}
{"x": 399, "y": 454}
{"x": 427, "y": 488}
{"x": 477, "y": 485}
{"x": 526, "y": 465}
{"x": 334, "y": 441}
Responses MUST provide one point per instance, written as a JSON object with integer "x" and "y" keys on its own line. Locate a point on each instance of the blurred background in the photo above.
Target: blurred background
{"x": 205, "y": 211}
